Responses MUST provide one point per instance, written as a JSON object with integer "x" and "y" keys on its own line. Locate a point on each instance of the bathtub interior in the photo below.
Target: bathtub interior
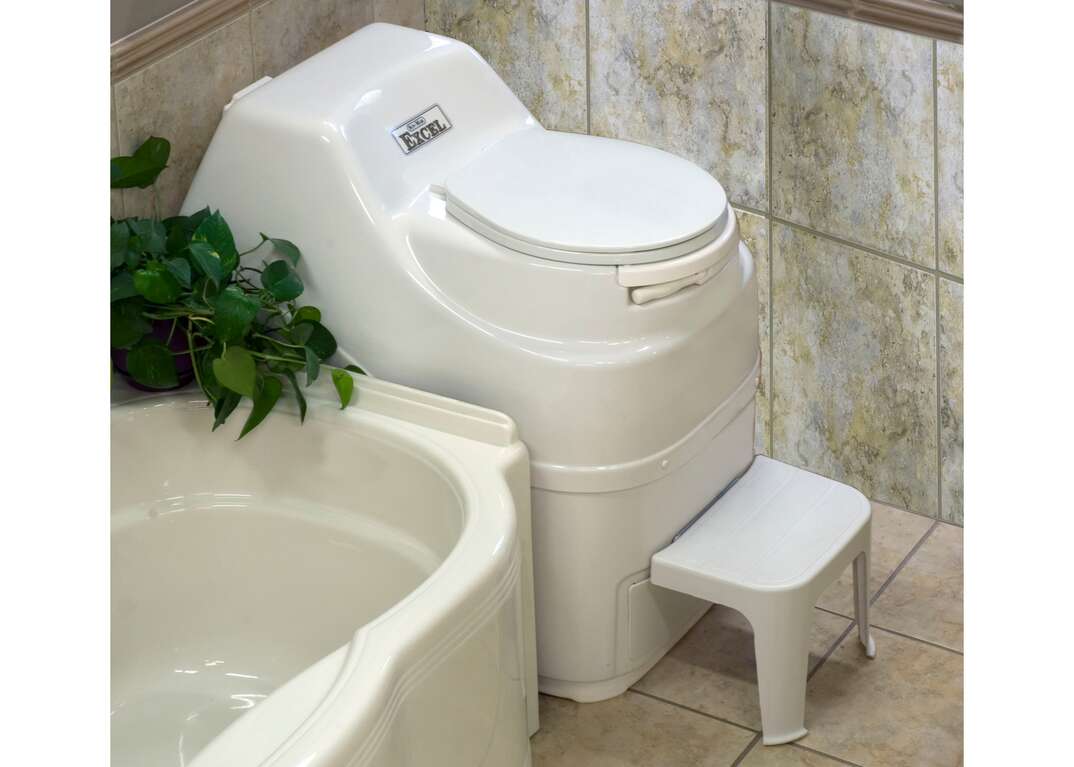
{"x": 236, "y": 566}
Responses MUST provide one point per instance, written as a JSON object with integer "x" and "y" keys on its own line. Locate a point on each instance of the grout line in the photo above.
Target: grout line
{"x": 850, "y": 243}
{"x": 588, "y": 77}
{"x": 745, "y": 752}
{"x": 928, "y": 642}
{"x": 839, "y": 640}
{"x": 936, "y": 245}
{"x": 771, "y": 436}
{"x": 902, "y": 564}
{"x": 694, "y": 710}
{"x": 822, "y": 753}
{"x": 253, "y": 53}
{"x": 873, "y": 625}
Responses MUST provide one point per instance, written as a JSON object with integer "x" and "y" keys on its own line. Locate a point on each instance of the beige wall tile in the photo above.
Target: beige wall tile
{"x": 900, "y": 709}
{"x": 713, "y": 668}
{"x": 113, "y": 132}
{"x": 949, "y": 153}
{"x": 181, "y": 98}
{"x": 688, "y": 77}
{"x": 632, "y": 730}
{"x": 925, "y": 599}
{"x": 951, "y": 428}
{"x": 538, "y": 47}
{"x": 895, "y": 533}
{"x": 289, "y": 31}
{"x": 408, "y": 13}
{"x": 754, "y": 231}
{"x": 854, "y": 368}
{"x": 852, "y": 131}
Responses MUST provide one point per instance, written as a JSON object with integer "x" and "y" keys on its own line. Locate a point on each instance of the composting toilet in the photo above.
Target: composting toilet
{"x": 595, "y": 290}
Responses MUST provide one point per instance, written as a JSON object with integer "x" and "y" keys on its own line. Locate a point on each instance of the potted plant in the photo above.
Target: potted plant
{"x": 186, "y": 307}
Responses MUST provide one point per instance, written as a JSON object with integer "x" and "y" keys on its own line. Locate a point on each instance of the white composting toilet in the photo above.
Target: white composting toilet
{"x": 595, "y": 290}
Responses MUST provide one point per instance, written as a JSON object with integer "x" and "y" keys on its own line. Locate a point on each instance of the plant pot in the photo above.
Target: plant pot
{"x": 184, "y": 369}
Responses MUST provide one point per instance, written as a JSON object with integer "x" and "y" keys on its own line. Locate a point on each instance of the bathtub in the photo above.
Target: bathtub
{"x": 356, "y": 590}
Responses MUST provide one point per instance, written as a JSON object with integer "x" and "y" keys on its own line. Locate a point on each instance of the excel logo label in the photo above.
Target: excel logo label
{"x": 420, "y": 129}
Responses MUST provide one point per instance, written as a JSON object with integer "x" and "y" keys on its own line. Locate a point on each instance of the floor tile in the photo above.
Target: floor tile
{"x": 894, "y": 533}
{"x": 713, "y": 668}
{"x": 901, "y": 709}
{"x": 632, "y": 730}
{"x": 787, "y": 756}
{"x": 925, "y": 599}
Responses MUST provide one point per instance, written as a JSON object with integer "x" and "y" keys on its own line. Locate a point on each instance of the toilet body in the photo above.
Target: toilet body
{"x": 625, "y": 349}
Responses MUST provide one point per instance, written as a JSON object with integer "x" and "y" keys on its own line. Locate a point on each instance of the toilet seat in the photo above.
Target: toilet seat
{"x": 587, "y": 200}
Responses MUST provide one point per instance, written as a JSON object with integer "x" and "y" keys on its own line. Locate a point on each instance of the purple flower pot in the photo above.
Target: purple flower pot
{"x": 184, "y": 368}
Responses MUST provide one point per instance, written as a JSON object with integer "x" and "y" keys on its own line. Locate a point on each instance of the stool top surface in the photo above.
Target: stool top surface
{"x": 776, "y": 527}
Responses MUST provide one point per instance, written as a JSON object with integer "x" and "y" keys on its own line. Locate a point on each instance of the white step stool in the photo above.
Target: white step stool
{"x": 768, "y": 548}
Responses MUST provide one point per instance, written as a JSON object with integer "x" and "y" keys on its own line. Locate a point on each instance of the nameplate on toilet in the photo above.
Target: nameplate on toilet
{"x": 422, "y": 128}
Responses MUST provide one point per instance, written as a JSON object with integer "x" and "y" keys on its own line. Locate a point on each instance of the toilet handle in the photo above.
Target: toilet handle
{"x": 648, "y": 282}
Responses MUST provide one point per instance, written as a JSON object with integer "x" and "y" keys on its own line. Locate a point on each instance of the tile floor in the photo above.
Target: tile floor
{"x": 698, "y": 706}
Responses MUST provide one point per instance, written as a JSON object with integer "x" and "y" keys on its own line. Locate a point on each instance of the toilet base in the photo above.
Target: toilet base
{"x": 593, "y": 692}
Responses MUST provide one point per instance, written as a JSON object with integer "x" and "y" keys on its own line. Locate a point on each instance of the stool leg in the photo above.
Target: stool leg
{"x": 861, "y": 603}
{"x": 781, "y": 642}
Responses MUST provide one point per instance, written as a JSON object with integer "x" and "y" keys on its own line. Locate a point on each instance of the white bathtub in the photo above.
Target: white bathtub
{"x": 356, "y": 590}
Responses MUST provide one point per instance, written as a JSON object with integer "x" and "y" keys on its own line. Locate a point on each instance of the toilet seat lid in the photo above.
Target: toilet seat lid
{"x": 586, "y": 199}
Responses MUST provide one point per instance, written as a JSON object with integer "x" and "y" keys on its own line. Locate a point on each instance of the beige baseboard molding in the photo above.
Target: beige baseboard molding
{"x": 172, "y": 32}
{"x": 933, "y": 18}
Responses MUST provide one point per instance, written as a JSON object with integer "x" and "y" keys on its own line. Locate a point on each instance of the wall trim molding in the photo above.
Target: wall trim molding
{"x": 922, "y": 17}
{"x": 172, "y": 32}
{"x": 200, "y": 17}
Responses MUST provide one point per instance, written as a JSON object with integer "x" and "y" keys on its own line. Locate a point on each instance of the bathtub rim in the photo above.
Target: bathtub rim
{"x": 471, "y": 448}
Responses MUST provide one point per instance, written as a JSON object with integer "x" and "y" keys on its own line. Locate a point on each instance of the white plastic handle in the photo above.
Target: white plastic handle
{"x": 708, "y": 259}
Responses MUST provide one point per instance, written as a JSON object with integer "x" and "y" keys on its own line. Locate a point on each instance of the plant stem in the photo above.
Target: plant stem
{"x": 194, "y": 362}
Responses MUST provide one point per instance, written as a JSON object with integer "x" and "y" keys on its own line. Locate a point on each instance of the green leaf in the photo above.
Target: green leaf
{"x": 180, "y": 270}
{"x": 214, "y": 230}
{"x": 313, "y": 365}
{"x": 298, "y": 395}
{"x": 151, "y": 364}
{"x": 208, "y": 262}
{"x": 281, "y": 281}
{"x": 151, "y": 236}
{"x": 235, "y": 311}
{"x": 236, "y": 370}
{"x": 354, "y": 369}
{"x": 123, "y": 286}
{"x": 306, "y": 313}
{"x": 128, "y": 326}
{"x": 268, "y": 393}
{"x": 316, "y": 336}
{"x": 142, "y": 168}
{"x": 223, "y": 407}
{"x": 178, "y": 236}
{"x": 157, "y": 284}
{"x": 344, "y": 386}
{"x": 285, "y": 248}
{"x": 120, "y": 238}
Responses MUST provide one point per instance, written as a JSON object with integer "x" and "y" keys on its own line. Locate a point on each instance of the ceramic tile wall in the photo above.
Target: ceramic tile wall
{"x": 841, "y": 145}
{"x": 839, "y": 142}
{"x": 181, "y": 96}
